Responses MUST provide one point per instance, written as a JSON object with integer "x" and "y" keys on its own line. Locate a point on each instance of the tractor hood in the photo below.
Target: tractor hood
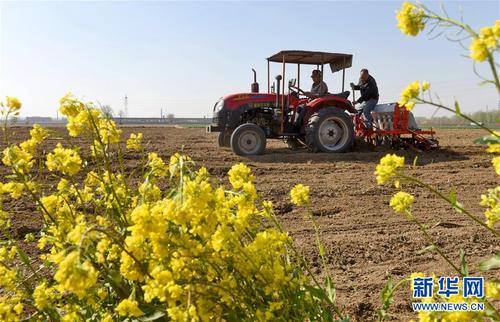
{"x": 234, "y": 101}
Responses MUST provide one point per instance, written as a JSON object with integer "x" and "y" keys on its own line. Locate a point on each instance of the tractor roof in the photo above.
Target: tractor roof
{"x": 337, "y": 61}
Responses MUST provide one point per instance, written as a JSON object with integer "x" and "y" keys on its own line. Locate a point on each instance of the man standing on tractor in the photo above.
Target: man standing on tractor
{"x": 369, "y": 95}
{"x": 318, "y": 88}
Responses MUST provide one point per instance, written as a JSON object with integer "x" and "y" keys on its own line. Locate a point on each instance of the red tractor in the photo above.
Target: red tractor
{"x": 326, "y": 124}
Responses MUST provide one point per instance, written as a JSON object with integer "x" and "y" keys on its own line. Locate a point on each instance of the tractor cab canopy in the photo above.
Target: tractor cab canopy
{"x": 337, "y": 62}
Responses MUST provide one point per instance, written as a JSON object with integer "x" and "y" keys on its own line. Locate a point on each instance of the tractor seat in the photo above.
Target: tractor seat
{"x": 344, "y": 94}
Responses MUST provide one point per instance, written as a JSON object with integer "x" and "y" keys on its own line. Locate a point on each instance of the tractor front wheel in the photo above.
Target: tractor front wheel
{"x": 224, "y": 139}
{"x": 329, "y": 130}
{"x": 248, "y": 139}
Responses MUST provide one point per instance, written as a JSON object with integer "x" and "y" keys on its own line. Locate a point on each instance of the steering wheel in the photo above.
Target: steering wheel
{"x": 296, "y": 90}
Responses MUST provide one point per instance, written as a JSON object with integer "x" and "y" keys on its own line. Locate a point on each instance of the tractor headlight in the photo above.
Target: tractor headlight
{"x": 219, "y": 105}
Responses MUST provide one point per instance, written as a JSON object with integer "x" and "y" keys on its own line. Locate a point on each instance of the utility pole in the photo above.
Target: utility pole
{"x": 125, "y": 105}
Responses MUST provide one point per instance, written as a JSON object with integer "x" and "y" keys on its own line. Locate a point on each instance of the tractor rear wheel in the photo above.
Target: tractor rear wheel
{"x": 329, "y": 130}
{"x": 248, "y": 139}
{"x": 224, "y": 139}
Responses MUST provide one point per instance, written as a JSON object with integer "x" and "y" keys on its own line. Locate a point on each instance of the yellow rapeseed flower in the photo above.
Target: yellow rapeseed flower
{"x": 410, "y": 19}
{"x": 387, "y": 167}
{"x": 239, "y": 174}
{"x": 64, "y": 160}
{"x": 487, "y": 40}
{"x": 129, "y": 308}
{"x": 410, "y": 93}
{"x": 492, "y": 203}
{"x": 478, "y": 50}
{"x": 493, "y": 148}
{"x": 38, "y": 133}
{"x": 496, "y": 164}
{"x": 401, "y": 201}
{"x": 300, "y": 195}
{"x": 134, "y": 142}
{"x": 18, "y": 158}
{"x": 425, "y": 86}
{"x": 492, "y": 290}
{"x": 13, "y": 104}
{"x": 75, "y": 276}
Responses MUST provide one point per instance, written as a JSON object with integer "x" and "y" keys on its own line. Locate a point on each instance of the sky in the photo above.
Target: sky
{"x": 180, "y": 57}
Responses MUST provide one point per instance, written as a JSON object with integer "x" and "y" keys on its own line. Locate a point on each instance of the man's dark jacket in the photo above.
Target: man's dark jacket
{"x": 369, "y": 89}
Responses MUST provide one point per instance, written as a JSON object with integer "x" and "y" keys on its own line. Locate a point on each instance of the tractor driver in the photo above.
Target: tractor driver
{"x": 369, "y": 95}
{"x": 318, "y": 88}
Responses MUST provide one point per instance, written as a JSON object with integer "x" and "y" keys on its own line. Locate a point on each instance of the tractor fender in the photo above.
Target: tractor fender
{"x": 323, "y": 102}
{"x": 331, "y": 100}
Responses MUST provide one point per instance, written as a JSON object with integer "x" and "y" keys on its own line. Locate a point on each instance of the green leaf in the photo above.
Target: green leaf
{"x": 493, "y": 262}
{"x": 332, "y": 293}
{"x": 490, "y": 139}
{"x": 386, "y": 296}
{"x": 155, "y": 316}
{"x": 457, "y": 108}
{"x": 463, "y": 264}
{"x": 429, "y": 248}
{"x": 316, "y": 292}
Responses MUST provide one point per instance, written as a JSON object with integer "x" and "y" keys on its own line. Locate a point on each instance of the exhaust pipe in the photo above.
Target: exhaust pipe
{"x": 278, "y": 82}
{"x": 255, "y": 86}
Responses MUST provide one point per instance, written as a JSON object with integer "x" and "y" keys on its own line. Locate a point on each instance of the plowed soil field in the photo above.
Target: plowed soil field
{"x": 366, "y": 242}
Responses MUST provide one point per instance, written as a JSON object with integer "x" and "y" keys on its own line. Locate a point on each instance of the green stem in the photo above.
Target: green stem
{"x": 459, "y": 114}
{"x": 393, "y": 289}
{"x": 431, "y": 241}
{"x": 471, "y": 31}
{"x": 121, "y": 245}
{"x": 306, "y": 266}
{"x": 454, "y": 204}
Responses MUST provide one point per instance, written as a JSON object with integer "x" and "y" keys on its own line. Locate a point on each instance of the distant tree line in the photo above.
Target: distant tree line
{"x": 488, "y": 118}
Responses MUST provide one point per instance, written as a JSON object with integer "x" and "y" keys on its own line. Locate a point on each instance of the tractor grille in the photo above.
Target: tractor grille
{"x": 217, "y": 120}
{"x": 220, "y": 118}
